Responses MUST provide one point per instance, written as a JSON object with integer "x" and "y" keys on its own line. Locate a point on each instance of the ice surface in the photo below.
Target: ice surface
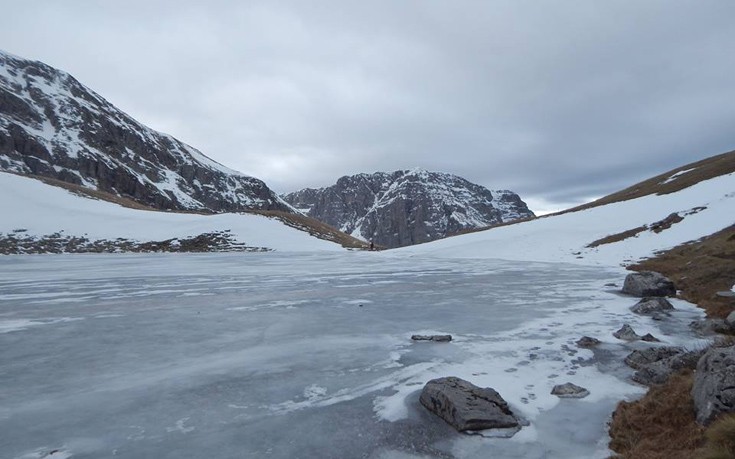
{"x": 302, "y": 354}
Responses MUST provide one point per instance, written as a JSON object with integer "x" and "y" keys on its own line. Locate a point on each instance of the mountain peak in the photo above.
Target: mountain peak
{"x": 407, "y": 207}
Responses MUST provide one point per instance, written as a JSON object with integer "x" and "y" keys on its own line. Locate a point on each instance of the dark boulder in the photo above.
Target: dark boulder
{"x": 714, "y": 384}
{"x": 643, "y": 357}
{"x": 465, "y": 406}
{"x": 587, "y": 342}
{"x": 652, "y": 305}
{"x": 437, "y": 338}
{"x": 648, "y": 283}
{"x": 627, "y": 333}
{"x": 569, "y": 390}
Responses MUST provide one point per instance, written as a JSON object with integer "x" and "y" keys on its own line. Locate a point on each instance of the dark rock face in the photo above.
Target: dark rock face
{"x": 53, "y": 126}
{"x": 465, "y": 406}
{"x": 569, "y": 390}
{"x": 648, "y": 283}
{"x": 714, "y": 384}
{"x": 652, "y": 305}
{"x": 407, "y": 207}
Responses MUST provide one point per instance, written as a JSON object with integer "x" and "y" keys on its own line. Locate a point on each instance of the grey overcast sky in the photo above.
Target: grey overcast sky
{"x": 560, "y": 101}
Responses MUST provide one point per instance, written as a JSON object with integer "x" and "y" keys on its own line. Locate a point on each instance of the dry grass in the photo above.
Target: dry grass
{"x": 661, "y": 425}
{"x": 698, "y": 171}
{"x": 700, "y": 269}
{"x": 315, "y": 228}
{"x": 720, "y": 439}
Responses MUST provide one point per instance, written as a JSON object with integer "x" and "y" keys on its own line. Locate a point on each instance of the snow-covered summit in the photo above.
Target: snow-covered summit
{"x": 407, "y": 206}
{"x": 53, "y": 126}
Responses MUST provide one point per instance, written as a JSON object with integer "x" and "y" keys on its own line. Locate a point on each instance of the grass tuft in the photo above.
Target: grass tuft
{"x": 661, "y": 425}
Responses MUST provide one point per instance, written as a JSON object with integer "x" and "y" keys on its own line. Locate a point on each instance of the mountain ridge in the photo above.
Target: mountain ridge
{"x": 53, "y": 126}
{"x": 406, "y": 207}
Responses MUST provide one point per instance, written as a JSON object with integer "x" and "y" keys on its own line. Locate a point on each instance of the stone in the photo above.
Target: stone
{"x": 648, "y": 283}
{"x": 659, "y": 371}
{"x": 437, "y": 338}
{"x": 627, "y": 333}
{"x": 714, "y": 384}
{"x": 587, "y": 342}
{"x": 652, "y": 305}
{"x": 730, "y": 320}
{"x": 643, "y": 357}
{"x": 569, "y": 390}
{"x": 707, "y": 327}
{"x": 649, "y": 338}
{"x": 467, "y": 407}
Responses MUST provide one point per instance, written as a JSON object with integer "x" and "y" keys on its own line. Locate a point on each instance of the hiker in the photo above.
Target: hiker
{"x": 372, "y": 246}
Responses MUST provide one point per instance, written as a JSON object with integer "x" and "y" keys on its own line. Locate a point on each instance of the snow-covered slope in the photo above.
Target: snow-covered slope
{"x": 53, "y": 126}
{"x": 408, "y": 206}
{"x": 706, "y": 207}
{"x": 34, "y": 211}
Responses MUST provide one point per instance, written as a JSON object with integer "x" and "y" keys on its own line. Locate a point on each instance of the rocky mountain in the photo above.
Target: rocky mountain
{"x": 407, "y": 207}
{"x": 53, "y": 126}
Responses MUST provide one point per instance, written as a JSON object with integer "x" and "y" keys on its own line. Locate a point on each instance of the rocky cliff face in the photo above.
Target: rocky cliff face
{"x": 407, "y": 207}
{"x": 53, "y": 126}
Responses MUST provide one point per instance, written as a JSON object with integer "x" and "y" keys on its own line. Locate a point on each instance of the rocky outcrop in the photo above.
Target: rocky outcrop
{"x": 465, "y": 406}
{"x": 648, "y": 283}
{"x": 655, "y": 365}
{"x": 652, "y": 305}
{"x": 407, "y": 207}
{"x": 569, "y": 390}
{"x": 52, "y": 126}
{"x": 714, "y": 384}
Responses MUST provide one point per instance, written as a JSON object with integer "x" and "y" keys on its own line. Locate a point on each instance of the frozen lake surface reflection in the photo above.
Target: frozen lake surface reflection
{"x": 296, "y": 355}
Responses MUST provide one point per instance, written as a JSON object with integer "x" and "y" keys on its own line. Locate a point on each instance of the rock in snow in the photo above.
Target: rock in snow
{"x": 714, "y": 384}
{"x": 569, "y": 390}
{"x": 438, "y": 338}
{"x": 648, "y": 283}
{"x": 587, "y": 342}
{"x": 627, "y": 333}
{"x": 652, "y": 305}
{"x": 408, "y": 206}
{"x": 465, "y": 406}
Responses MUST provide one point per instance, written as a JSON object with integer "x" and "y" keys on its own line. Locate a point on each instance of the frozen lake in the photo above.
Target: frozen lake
{"x": 298, "y": 355}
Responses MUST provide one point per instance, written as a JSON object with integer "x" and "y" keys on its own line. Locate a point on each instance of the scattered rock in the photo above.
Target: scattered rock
{"x": 730, "y": 320}
{"x": 437, "y": 338}
{"x": 649, "y": 338}
{"x": 643, "y": 357}
{"x": 569, "y": 390}
{"x": 707, "y": 327}
{"x": 465, "y": 406}
{"x": 587, "y": 342}
{"x": 652, "y": 305}
{"x": 627, "y": 333}
{"x": 648, "y": 283}
{"x": 658, "y": 372}
{"x": 659, "y": 316}
{"x": 714, "y": 384}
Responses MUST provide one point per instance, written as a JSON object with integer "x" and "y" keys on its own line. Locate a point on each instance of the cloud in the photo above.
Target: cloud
{"x": 558, "y": 101}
